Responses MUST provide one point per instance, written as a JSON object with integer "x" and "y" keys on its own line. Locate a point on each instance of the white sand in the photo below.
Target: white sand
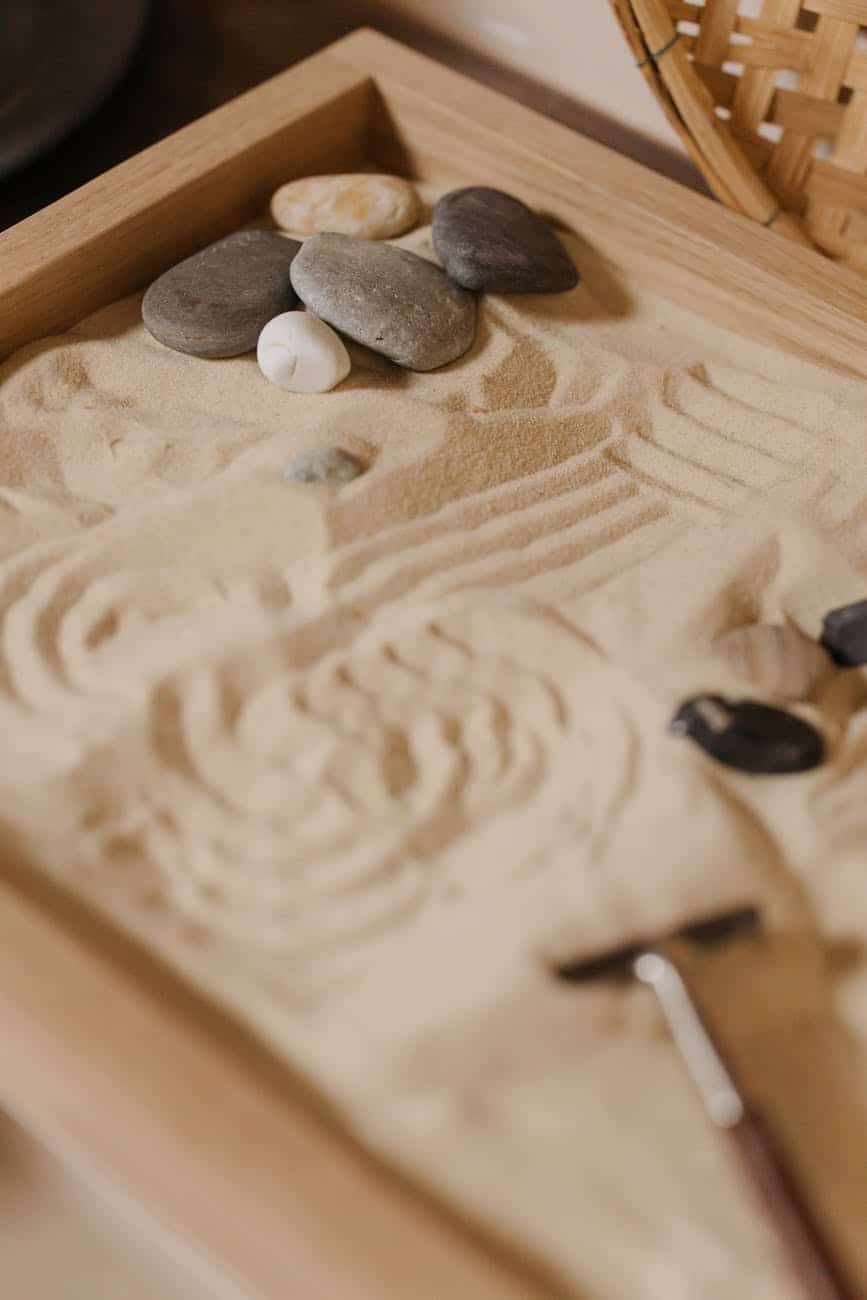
{"x": 361, "y": 762}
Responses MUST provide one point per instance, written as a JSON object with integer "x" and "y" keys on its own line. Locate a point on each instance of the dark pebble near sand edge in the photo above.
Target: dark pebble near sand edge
{"x": 750, "y": 736}
{"x": 844, "y": 634}
{"x": 215, "y": 303}
{"x": 490, "y": 242}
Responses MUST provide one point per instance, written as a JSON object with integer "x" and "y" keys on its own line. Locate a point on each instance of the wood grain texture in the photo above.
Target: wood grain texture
{"x": 195, "y": 56}
{"x": 138, "y": 1080}
{"x": 62, "y": 1235}
{"x": 123, "y": 1074}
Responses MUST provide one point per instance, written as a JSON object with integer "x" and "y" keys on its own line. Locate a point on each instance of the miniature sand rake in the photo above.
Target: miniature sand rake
{"x": 654, "y": 962}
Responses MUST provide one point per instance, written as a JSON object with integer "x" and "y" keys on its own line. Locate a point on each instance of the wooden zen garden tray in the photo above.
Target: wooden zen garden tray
{"x": 105, "y": 1054}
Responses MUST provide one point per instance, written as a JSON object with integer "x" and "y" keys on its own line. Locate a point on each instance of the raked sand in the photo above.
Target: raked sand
{"x": 362, "y": 762}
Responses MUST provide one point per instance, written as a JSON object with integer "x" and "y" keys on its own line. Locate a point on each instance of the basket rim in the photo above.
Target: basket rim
{"x": 741, "y": 187}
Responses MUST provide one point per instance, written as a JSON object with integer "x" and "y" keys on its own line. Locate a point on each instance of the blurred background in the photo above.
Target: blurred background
{"x": 564, "y": 58}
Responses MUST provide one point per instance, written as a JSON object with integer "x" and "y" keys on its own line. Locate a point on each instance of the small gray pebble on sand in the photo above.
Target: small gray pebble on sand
{"x": 324, "y": 465}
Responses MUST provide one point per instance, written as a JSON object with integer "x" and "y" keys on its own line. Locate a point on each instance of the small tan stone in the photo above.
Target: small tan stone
{"x": 368, "y": 207}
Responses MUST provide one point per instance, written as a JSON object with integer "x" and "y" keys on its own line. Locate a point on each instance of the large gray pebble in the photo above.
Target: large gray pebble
{"x": 392, "y": 301}
{"x": 215, "y": 303}
{"x": 490, "y": 242}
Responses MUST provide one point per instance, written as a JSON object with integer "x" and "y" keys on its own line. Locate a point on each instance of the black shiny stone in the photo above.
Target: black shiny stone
{"x": 750, "y": 736}
{"x": 844, "y": 634}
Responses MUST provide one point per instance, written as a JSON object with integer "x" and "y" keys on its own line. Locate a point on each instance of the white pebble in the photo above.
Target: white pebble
{"x": 299, "y": 352}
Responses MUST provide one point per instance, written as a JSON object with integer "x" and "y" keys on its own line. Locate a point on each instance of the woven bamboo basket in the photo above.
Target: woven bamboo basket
{"x": 770, "y": 99}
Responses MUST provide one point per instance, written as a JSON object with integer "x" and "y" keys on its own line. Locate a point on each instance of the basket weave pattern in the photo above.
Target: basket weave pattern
{"x": 770, "y": 97}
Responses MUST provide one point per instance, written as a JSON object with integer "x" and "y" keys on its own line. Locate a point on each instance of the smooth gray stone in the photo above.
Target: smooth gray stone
{"x": 490, "y": 242}
{"x": 216, "y": 303}
{"x": 392, "y": 301}
{"x": 324, "y": 465}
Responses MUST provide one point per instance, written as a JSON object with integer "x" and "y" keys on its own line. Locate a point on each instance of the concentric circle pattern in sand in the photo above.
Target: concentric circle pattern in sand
{"x": 302, "y": 811}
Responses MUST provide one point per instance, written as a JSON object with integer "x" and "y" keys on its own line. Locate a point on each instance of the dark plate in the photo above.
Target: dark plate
{"x": 59, "y": 59}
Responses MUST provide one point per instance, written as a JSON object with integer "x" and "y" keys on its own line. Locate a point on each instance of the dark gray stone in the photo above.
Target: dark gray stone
{"x": 324, "y": 465}
{"x": 750, "y": 736}
{"x": 844, "y": 634}
{"x": 392, "y": 301}
{"x": 490, "y": 242}
{"x": 216, "y": 303}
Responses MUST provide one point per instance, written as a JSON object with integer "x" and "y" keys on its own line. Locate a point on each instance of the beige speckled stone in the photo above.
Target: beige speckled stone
{"x": 368, "y": 207}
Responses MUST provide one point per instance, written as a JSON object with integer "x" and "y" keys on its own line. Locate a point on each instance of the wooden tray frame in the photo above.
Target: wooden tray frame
{"x": 103, "y": 1053}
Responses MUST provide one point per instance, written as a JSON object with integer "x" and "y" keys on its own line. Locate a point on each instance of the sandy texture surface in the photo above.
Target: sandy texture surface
{"x": 361, "y": 762}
